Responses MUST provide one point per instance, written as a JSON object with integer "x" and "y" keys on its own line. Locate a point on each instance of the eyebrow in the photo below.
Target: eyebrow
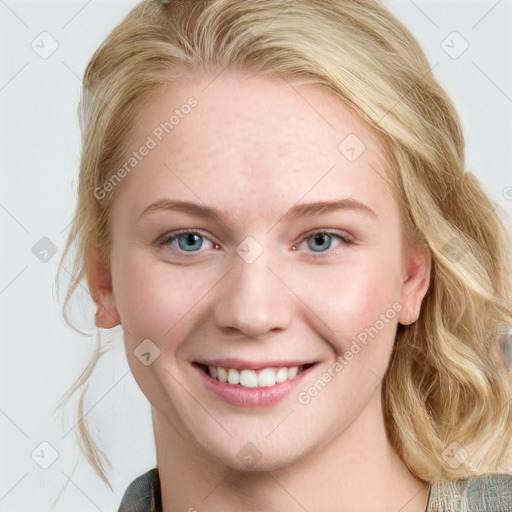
{"x": 298, "y": 210}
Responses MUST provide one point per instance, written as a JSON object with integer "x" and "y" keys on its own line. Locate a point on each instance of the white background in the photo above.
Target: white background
{"x": 39, "y": 154}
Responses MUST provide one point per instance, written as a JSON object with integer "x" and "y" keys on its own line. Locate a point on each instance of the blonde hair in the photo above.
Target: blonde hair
{"x": 444, "y": 384}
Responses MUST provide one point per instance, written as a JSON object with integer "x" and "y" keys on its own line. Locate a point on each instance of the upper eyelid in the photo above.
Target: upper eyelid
{"x": 326, "y": 231}
{"x": 176, "y": 234}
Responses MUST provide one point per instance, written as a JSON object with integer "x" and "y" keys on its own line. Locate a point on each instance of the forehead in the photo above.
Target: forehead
{"x": 254, "y": 145}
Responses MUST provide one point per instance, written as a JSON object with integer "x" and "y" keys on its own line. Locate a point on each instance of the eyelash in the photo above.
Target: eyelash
{"x": 345, "y": 239}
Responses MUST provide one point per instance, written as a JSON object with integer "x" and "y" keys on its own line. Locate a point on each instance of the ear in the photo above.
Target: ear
{"x": 100, "y": 285}
{"x": 415, "y": 283}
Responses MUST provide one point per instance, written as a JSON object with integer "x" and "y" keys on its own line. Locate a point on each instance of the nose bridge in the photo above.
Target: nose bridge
{"x": 254, "y": 301}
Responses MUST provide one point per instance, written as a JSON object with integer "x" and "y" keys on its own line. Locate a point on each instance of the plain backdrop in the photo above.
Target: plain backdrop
{"x": 45, "y": 48}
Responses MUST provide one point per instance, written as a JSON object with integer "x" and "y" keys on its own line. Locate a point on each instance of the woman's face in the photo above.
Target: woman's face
{"x": 253, "y": 172}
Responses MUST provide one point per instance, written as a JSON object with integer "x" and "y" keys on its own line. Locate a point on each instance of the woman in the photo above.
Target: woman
{"x": 273, "y": 204}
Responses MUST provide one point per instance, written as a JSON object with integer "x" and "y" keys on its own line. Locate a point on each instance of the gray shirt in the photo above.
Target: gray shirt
{"x": 485, "y": 493}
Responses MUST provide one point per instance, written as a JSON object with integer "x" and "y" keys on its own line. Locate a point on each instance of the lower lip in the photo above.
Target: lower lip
{"x": 241, "y": 396}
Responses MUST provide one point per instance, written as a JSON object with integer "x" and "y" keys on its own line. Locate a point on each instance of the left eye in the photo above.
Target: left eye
{"x": 322, "y": 241}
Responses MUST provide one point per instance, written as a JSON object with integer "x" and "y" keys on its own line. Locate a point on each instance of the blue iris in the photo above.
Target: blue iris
{"x": 190, "y": 242}
{"x": 322, "y": 239}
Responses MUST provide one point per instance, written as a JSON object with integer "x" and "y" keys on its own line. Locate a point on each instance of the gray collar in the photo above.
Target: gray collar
{"x": 485, "y": 493}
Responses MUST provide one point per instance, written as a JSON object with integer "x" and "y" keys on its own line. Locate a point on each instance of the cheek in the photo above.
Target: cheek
{"x": 355, "y": 300}
{"x": 159, "y": 303}
{"x": 153, "y": 298}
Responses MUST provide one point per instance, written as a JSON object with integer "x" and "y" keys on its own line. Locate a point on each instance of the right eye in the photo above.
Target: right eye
{"x": 186, "y": 241}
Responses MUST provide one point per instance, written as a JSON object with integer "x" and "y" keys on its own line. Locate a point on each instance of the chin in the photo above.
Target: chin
{"x": 253, "y": 456}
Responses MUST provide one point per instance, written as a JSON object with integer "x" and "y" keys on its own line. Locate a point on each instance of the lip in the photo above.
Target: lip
{"x": 239, "y": 364}
{"x": 241, "y": 396}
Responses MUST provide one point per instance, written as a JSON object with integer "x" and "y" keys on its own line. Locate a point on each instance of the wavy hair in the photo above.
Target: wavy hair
{"x": 444, "y": 383}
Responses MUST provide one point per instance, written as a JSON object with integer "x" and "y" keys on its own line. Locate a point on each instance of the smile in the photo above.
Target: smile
{"x": 252, "y": 385}
{"x": 247, "y": 378}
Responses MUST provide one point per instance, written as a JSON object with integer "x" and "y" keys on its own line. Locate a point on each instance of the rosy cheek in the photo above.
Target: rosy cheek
{"x": 155, "y": 299}
{"x": 356, "y": 301}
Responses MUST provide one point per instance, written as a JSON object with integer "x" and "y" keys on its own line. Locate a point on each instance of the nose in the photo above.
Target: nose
{"x": 254, "y": 299}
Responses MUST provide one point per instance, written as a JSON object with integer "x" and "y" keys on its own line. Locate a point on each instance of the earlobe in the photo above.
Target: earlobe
{"x": 100, "y": 285}
{"x": 415, "y": 284}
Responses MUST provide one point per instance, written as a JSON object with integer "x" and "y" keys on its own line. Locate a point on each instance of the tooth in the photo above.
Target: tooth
{"x": 248, "y": 378}
{"x": 222, "y": 374}
{"x": 281, "y": 375}
{"x": 233, "y": 376}
{"x": 266, "y": 377}
{"x": 292, "y": 372}
{"x": 213, "y": 371}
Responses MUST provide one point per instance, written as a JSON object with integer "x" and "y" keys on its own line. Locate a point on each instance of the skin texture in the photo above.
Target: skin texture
{"x": 252, "y": 149}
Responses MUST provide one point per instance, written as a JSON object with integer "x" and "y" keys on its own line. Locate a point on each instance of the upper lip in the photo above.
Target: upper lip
{"x": 240, "y": 364}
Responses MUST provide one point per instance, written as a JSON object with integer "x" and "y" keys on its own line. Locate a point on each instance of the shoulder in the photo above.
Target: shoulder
{"x": 486, "y": 493}
{"x": 143, "y": 494}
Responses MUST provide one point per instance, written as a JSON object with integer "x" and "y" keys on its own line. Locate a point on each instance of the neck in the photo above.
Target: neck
{"x": 357, "y": 471}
